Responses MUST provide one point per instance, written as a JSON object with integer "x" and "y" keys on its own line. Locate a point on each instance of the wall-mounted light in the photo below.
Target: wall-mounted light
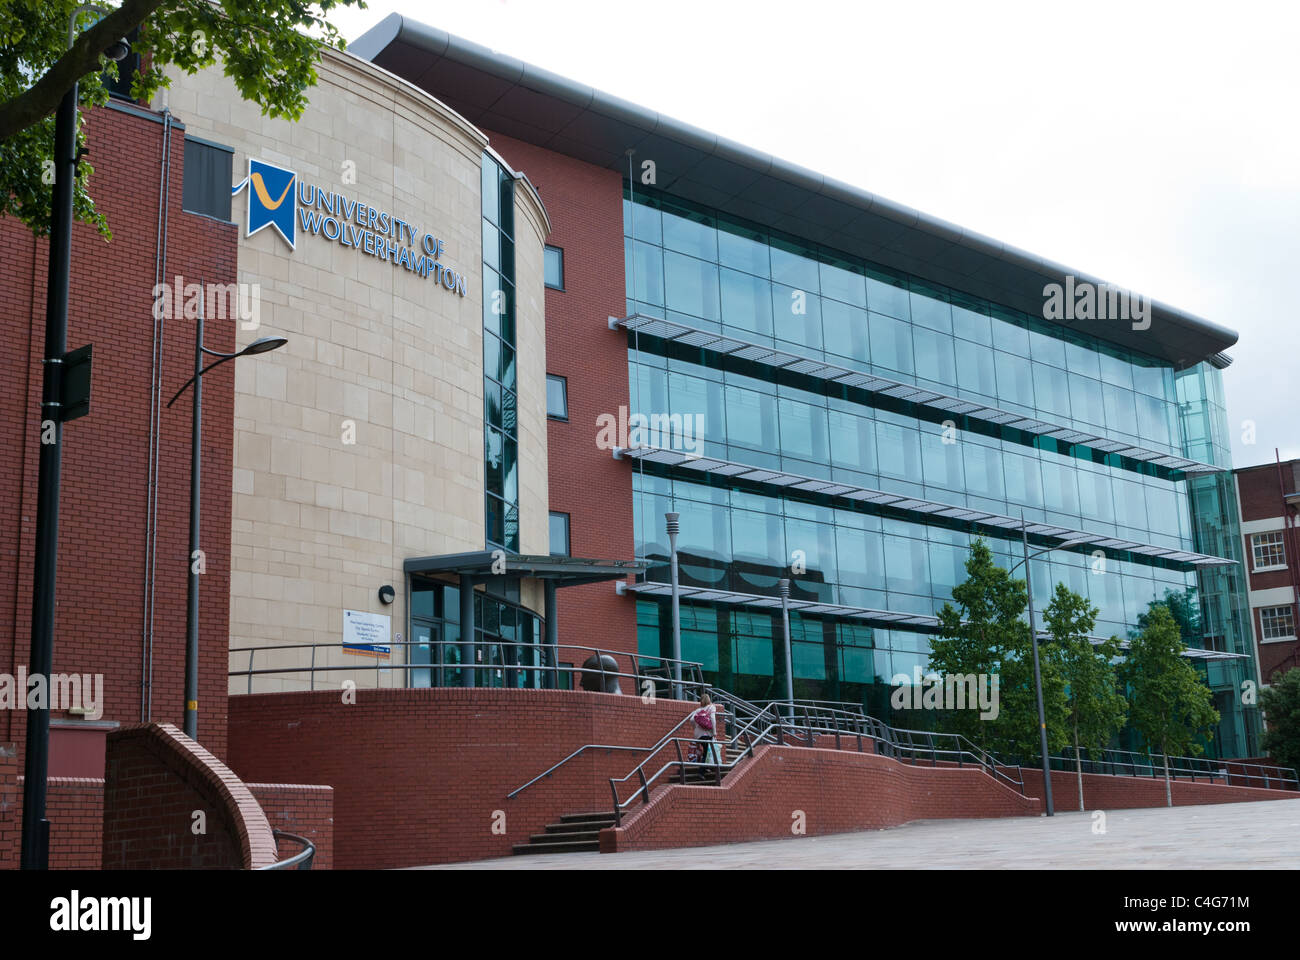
{"x": 386, "y": 594}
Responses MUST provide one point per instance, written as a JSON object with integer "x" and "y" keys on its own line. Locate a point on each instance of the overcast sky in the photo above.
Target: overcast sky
{"x": 1154, "y": 145}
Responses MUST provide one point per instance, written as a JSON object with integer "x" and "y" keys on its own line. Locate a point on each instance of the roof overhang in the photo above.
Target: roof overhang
{"x": 1000, "y": 525}
{"x": 484, "y": 565}
{"x": 943, "y": 404}
{"x": 499, "y": 93}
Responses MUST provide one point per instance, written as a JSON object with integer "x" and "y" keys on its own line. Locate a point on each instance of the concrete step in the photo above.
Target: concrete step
{"x": 585, "y": 846}
{"x": 571, "y": 836}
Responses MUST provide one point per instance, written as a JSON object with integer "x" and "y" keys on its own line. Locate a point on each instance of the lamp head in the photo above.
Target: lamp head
{"x": 263, "y": 345}
{"x": 118, "y": 50}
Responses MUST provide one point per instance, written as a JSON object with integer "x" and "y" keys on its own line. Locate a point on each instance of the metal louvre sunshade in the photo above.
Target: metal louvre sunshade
{"x": 819, "y": 369}
{"x": 878, "y": 618}
{"x": 790, "y": 481}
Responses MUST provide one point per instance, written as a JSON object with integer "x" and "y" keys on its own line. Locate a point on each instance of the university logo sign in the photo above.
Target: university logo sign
{"x": 280, "y": 199}
{"x": 270, "y": 198}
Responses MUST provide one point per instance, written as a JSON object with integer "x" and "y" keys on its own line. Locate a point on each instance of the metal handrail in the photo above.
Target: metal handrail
{"x": 692, "y": 671}
{"x": 302, "y": 860}
{"x": 857, "y": 720}
{"x": 596, "y": 746}
{"x": 1273, "y": 777}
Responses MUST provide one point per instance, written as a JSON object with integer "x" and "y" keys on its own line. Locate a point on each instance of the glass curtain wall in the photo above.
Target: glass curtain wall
{"x": 500, "y": 423}
{"x": 691, "y": 265}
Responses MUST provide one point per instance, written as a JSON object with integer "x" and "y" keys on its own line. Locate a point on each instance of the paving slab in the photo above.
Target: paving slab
{"x": 1260, "y": 835}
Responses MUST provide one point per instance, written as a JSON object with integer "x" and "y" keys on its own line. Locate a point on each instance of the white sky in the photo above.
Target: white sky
{"x": 1155, "y": 145}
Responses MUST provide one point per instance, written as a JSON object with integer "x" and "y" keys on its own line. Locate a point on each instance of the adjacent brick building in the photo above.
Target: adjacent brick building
{"x": 1268, "y": 497}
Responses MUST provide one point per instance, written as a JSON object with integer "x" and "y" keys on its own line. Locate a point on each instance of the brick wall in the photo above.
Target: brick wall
{"x": 585, "y": 204}
{"x": 303, "y": 809}
{"x": 836, "y": 792}
{"x": 1261, "y": 499}
{"x": 102, "y": 527}
{"x": 74, "y": 806}
{"x": 11, "y": 811}
{"x": 157, "y": 778}
{"x": 419, "y": 775}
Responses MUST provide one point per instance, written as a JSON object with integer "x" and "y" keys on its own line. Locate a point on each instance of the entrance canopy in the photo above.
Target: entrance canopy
{"x": 484, "y": 565}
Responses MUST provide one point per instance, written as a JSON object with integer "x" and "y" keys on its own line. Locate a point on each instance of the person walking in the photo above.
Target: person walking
{"x": 705, "y": 720}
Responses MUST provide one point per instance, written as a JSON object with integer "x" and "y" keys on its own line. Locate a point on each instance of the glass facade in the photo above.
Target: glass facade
{"x": 693, "y": 266}
{"x": 500, "y": 404}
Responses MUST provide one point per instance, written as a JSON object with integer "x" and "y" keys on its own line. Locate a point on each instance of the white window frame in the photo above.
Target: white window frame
{"x": 1254, "y": 550}
{"x": 1290, "y": 613}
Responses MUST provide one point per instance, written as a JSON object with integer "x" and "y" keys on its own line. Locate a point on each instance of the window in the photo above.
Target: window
{"x": 1268, "y": 550}
{"x": 1277, "y": 623}
{"x": 554, "y": 269}
{"x": 559, "y": 534}
{"x": 207, "y": 179}
{"x": 557, "y": 397}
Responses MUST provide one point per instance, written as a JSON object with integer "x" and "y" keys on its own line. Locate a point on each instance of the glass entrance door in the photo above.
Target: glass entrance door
{"x": 423, "y": 650}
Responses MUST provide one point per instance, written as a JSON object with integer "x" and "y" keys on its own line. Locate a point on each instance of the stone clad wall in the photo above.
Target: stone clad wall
{"x": 360, "y": 444}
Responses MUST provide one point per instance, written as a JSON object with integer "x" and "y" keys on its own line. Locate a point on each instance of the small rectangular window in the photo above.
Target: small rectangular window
{"x": 554, "y": 268}
{"x": 559, "y": 534}
{"x": 207, "y": 179}
{"x": 1268, "y": 550}
{"x": 557, "y": 397}
{"x": 1276, "y": 623}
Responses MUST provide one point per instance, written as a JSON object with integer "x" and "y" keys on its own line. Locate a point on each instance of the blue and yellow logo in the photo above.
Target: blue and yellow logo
{"x": 270, "y": 198}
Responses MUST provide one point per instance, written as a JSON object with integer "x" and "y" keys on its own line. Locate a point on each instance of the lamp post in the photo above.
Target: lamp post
{"x": 783, "y": 586}
{"x": 673, "y": 527}
{"x": 1033, "y": 636}
{"x": 262, "y": 345}
{"x": 36, "y": 760}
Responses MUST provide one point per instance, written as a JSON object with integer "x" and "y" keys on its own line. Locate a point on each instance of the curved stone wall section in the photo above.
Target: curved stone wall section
{"x": 360, "y": 443}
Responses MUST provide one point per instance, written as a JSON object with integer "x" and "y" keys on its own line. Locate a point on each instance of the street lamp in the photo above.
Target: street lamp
{"x": 1033, "y": 636}
{"x": 262, "y": 345}
{"x": 36, "y": 760}
{"x": 674, "y": 525}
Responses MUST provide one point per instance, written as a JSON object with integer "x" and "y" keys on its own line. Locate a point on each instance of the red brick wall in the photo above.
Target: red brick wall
{"x": 74, "y": 806}
{"x": 1257, "y": 488}
{"x": 1104, "y": 792}
{"x": 104, "y": 475}
{"x": 837, "y": 791}
{"x": 303, "y": 809}
{"x": 585, "y": 204}
{"x": 156, "y": 779}
{"x": 419, "y": 774}
{"x": 11, "y": 811}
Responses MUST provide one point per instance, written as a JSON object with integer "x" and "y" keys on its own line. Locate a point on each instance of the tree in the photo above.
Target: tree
{"x": 1096, "y": 706}
{"x": 985, "y": 635}
{"x": 1170, "y": 707}
{"x": 1183, "y": 606}
{"x": 1281, "y": 705}
{"x": 264, "y": 47}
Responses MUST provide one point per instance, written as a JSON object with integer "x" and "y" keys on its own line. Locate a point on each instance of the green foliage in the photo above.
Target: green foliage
{"x": 1281, "y": 705}
{"x": 1182, "y": 605}
{"x": 1096, "y": 705}
{"x": 269, "y": 49}
{"x": 985, "y": 634}
{"x": 1170, "y": 705}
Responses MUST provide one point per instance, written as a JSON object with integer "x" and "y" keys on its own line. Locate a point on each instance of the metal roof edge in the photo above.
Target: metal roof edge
{"x": 396, "y": 28}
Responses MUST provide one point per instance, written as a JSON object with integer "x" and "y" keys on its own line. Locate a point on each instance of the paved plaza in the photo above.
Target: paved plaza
{"x": 1262, "y": 835}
